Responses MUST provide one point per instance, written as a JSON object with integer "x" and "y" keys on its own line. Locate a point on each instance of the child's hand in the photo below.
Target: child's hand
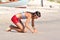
{"x": 35, "y": 30}
{"x": 25, "y": 30}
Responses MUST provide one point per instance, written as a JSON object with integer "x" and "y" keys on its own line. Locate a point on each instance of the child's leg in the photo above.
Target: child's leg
{"x": 19, "y": 27}
{"x": 24, "y": 28}
{"x": 14, "y": 28}
{"x": 18, "y": 23}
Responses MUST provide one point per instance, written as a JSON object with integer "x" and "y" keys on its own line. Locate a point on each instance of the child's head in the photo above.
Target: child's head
{"x": 38, "y": 13}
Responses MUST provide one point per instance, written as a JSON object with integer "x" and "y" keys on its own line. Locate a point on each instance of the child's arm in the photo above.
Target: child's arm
{"x": 35, "y": 30}
{"x": 27, "y": 24}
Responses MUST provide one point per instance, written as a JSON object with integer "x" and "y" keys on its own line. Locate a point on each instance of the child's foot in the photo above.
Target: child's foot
{"x": 8, "y": 29}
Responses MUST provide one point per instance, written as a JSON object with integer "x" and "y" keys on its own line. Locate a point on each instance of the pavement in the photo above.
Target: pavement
{"x": 48, "y": 25}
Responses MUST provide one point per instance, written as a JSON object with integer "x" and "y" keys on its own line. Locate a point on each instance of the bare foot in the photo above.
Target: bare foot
{"x": 8, "y": 29}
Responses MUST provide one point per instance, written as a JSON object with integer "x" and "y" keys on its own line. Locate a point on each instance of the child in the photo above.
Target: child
{"x": 16, "y": 19}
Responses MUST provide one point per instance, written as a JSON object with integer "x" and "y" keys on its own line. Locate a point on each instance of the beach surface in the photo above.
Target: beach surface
{"x": 48, "y": 25}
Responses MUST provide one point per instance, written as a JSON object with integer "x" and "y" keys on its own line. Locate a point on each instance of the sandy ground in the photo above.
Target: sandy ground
{"x": 48, "y": 25}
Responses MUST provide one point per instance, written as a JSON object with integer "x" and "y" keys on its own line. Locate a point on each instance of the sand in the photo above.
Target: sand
{"x": 48, "y": 25}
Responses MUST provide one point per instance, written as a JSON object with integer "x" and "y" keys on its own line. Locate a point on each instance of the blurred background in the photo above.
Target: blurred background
{"x": 39, "y": 3}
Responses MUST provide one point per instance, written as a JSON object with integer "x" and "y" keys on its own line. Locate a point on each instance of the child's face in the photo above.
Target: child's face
{"x": 35, "y": 16}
